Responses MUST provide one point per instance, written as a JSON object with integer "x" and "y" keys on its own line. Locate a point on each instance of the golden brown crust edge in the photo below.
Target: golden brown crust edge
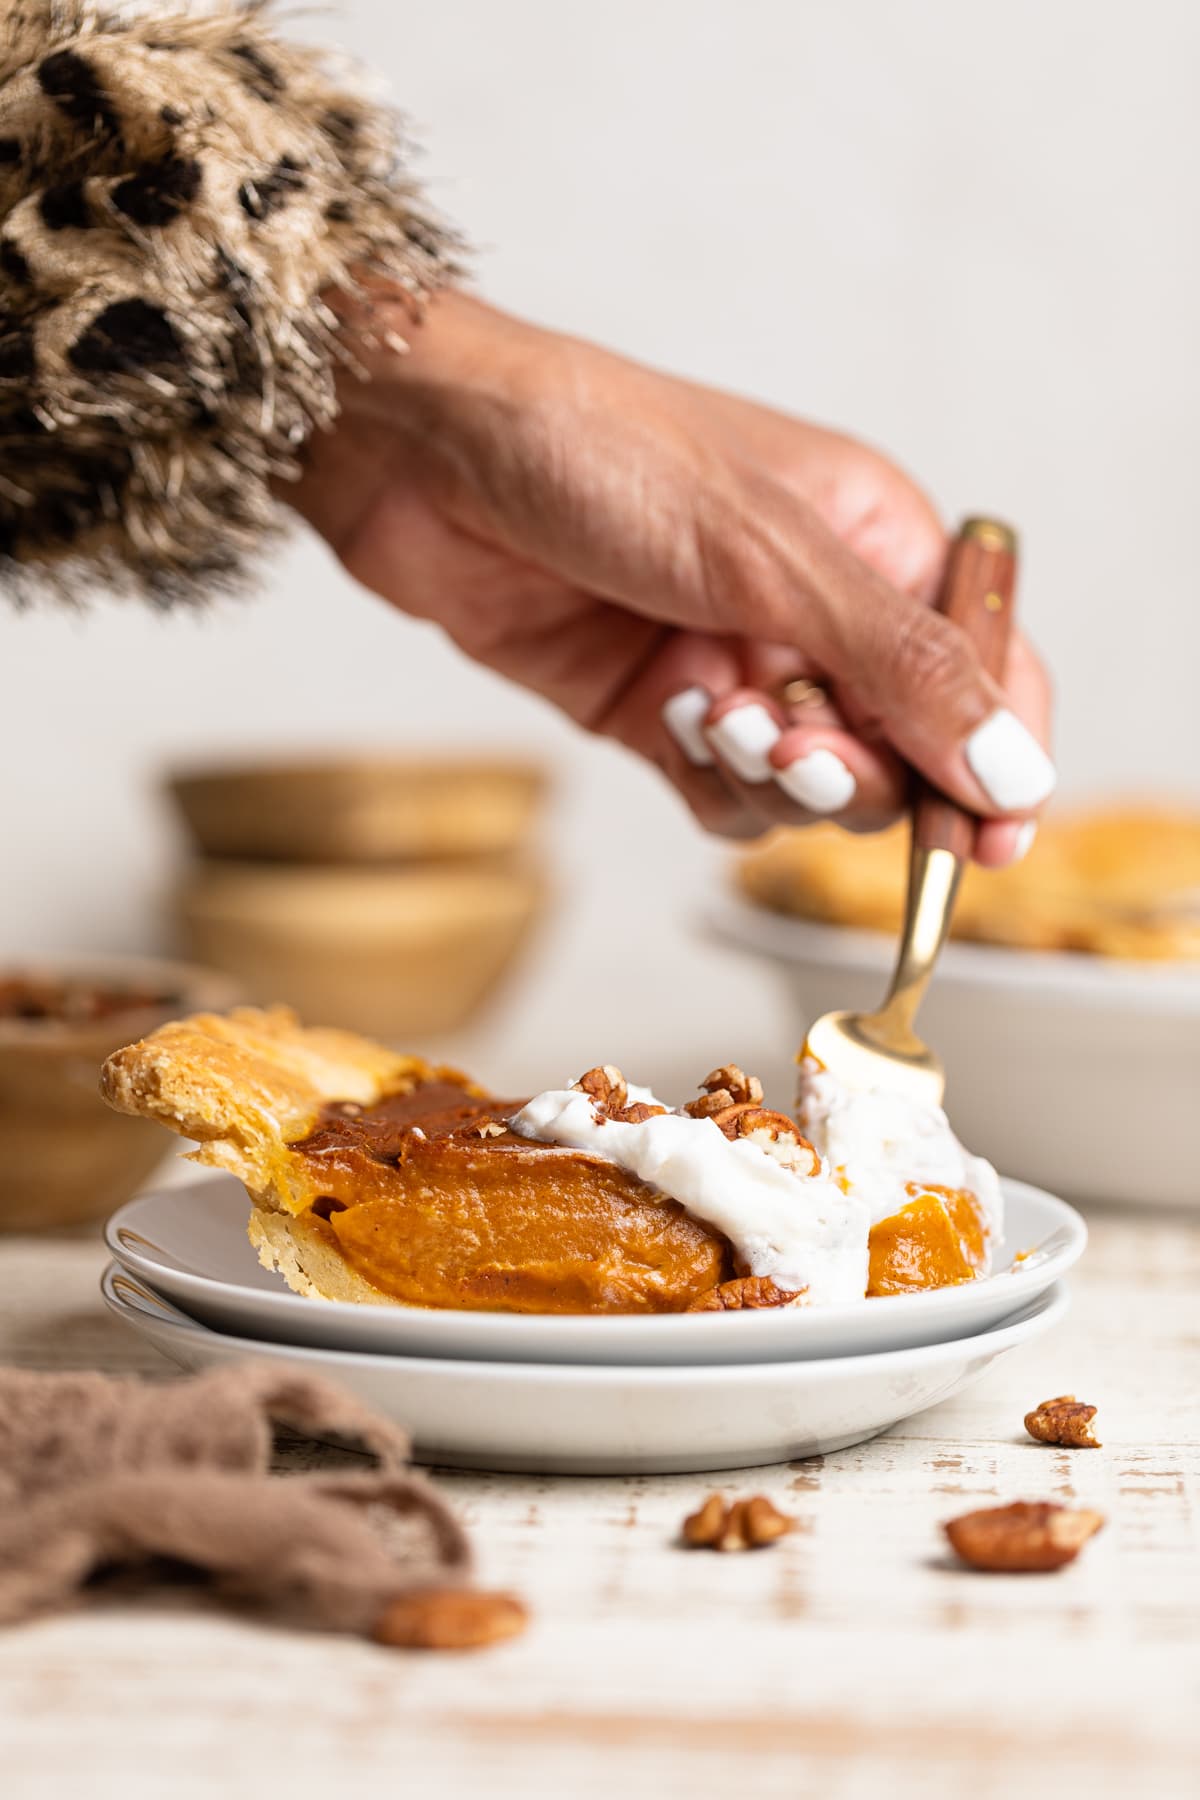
{"x": 297, "y": 1249}
{"x": 248, "y": 1083}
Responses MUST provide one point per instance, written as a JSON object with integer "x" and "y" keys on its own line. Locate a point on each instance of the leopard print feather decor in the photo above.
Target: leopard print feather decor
{"x": 178, "y": 188}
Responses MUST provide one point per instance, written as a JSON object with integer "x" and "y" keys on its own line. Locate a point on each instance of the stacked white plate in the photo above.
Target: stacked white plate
{"x": 585, "y": 1395}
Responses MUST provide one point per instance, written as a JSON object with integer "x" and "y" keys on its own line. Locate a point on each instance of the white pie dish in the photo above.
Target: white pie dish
{"x": 189, "y": 1243}
{"x": 1077, "y": 1072}
{"x": 573, "y": 1419}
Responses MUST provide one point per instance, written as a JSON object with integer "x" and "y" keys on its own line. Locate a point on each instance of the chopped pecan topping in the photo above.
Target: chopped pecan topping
{"x": 747, "y": 1293}
{"x": 737, "y": 1084}
{"x": 488, "y": 1128}
{"x": 605, "y": 1086}
{"x": 1063, "y": 1421}
{"x": 744, "y": 1118}
{"x": 608, "y": 1091}
{"x": 450, "y": 1619}
{"x": 707, "y": 1105}
{"x": 774, "y": 1132}
{"x": 740, "y": 1525}
{"x": 1028, "y": 1536}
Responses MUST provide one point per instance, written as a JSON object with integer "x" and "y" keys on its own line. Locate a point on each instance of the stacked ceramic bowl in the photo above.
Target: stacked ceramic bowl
{"x": 384, "y": 894}
{"x": 615, "y": 1394}
{"x": 66, "y": 1159}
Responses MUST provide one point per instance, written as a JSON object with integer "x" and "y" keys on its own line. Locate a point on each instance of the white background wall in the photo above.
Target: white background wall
{"x": 967, "y": 232}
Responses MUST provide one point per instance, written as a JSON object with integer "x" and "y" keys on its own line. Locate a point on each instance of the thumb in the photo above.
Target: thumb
{"x": 917, "y": 676}
{"x": 904, "y": 673}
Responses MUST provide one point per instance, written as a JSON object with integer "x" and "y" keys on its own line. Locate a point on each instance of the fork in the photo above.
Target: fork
{"x": 881, "y": 1049}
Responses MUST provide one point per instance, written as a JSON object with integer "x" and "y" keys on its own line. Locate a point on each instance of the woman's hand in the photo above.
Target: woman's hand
{"x": 742, "y": 598}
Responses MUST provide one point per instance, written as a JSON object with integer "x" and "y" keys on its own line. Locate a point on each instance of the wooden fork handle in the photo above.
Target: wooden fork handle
{"x": 978, "y": 593}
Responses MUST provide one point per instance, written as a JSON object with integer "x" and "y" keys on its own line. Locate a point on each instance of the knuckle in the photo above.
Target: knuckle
{"x": 930, "y": 657}
{"x": 900, "y": 533}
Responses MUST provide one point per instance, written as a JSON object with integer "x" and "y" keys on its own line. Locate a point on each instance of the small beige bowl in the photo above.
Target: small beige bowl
{"x": 360, "y": 810}
{"x": 65, "y": 1157}
{"x": 397, "y": 953}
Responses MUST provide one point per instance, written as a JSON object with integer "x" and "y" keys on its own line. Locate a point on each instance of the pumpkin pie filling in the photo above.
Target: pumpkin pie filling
{"x": 437, "y": 1202}
{"x": 938, "y": 1239}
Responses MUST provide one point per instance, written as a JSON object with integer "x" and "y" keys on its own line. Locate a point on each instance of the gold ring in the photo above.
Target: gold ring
{"x": 802, "y": 692}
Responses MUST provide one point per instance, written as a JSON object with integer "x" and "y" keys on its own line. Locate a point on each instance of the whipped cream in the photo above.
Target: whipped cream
{"x": 879, "y": 1142}
{"x": 803, "y": 1230}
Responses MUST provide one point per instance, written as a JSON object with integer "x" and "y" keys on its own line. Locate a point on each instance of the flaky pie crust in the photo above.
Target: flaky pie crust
{"x": 250, "y": 1087}
{"x": 249, "y": 1083}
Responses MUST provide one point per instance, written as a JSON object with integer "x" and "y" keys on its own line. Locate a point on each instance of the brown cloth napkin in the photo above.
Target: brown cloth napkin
{"x": 98, "y": 1473}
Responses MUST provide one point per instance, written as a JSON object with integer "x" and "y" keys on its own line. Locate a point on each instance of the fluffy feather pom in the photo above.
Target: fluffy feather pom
{"x": 177, "y": 190}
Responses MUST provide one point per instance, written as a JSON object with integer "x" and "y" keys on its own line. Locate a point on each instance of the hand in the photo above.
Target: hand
{"x": 616, "y": 539}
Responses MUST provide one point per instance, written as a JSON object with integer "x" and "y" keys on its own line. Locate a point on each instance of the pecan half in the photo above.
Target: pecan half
{"x": 1030, "y": 1536}
{"x": 1063, "y": 1421}
{"x": 450, "y": 1619}
{"x": 740, "y": 1525}
{"x": 747, "y": 1293}
{"x": 606, "y": 1087}
{"x": 635, "y": 1114}
{"x": 774, "y": 1132}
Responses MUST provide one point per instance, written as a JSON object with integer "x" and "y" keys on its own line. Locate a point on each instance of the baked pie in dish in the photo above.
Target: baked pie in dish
{"x": 383, "y": 1178}
{"x": 1116, "y": 881}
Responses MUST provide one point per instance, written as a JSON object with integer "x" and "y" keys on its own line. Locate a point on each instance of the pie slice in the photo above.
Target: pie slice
{"x": 383, "y": 1178}
{"x": 379, "y": 1177}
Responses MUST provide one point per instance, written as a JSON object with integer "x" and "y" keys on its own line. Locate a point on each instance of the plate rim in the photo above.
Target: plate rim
{"x": 1054, "y": 1301}
{"x": 942, "y": 1303}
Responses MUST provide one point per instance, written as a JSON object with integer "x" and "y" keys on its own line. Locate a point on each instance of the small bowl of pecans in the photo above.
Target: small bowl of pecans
{"x": 65, "y": 1158}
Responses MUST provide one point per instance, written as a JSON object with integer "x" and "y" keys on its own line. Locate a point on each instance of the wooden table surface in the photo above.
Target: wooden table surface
{"x": 849, "y": 1661}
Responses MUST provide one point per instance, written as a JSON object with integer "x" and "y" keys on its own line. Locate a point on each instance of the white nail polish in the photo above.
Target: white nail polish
{"x": 1009, "y": 763}
{"x": 1023, "y": 842}
{"x": 744, "y": 737}
{"x": 684, "y": 715}
{"x": 820, "y": 782}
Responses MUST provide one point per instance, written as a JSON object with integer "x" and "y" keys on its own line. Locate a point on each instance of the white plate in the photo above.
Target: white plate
{"x": 1078, "y": 1072}
{"x": 568, "y": 1419}
{"x": 190, "y": 1244}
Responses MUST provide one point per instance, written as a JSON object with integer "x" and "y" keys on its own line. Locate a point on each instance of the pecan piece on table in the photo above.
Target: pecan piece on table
{"x": 738, "y": 1525}
{"x": 1030, "y": 1536}
{"x": 450, "y": 1619}
{"x": 1065, "y": 1420}
{"x": 747, "y": 1293}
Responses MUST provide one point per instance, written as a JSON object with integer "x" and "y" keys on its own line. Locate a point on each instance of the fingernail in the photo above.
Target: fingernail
{"x": 1009, "y": 763}
{"x": 684, "y": 715}
{"x": 819, "y": 781}
{"x": 1023, "y": 842}
{"x": 744, "y": 738}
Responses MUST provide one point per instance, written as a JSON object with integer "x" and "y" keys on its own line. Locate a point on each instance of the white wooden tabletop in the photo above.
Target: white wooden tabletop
{"x": 849, "y": 1662}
